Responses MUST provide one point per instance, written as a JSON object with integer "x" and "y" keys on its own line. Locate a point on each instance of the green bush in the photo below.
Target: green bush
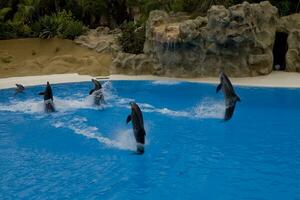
{"x": 6, "y": 31}
{"x": 132, "y": 38}
{"x": 74, "y": 29}
{"x": 48, "y": 18}
{"x": 11, "y": 29}
{"x": 20, "y": 29}
{"x": 46, "y": 27}
{"x": 60, "y": 25}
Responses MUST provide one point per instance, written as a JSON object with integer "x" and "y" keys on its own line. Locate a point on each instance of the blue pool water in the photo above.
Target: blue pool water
{"x": 83, "y": 152}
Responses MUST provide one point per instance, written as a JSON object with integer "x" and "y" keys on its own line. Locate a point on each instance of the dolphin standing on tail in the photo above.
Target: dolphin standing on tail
{"x": 48, "y": 99}
{"x": 20, "y": 88}
{"x": 230, "y": 97}
{"x": 136, "y": 117}
{"x": 97, "y": 93}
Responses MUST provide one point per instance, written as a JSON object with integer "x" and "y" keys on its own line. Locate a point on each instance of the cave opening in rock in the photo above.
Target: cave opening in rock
{"x": 279, "y": 51}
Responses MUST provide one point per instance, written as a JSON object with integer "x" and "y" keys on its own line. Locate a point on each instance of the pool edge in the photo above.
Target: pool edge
{"x": 273, "y": 80}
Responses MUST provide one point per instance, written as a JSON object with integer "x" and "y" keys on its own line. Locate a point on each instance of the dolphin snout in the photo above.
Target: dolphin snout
{"x": 221, "y": 74}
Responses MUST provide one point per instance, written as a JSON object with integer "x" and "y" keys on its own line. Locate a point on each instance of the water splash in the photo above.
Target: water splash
{"x": 122, "y": 139}
{"x": 37, "y": 106}
{"x": 165, "y": 82}
{"x": 28, "y": 106}
{"x": 209, "y": 108}
{"x": 164, "y": 111}
{"x": 61, "y": 104}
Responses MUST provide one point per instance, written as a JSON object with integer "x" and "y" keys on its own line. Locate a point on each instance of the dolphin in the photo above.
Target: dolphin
{"x": 48, "y": 98}
{"x": 230, "y": 96}
{"x": 97, "y": 93}
{"x": 20, "y": 88}
{"x": 136, "y": 117}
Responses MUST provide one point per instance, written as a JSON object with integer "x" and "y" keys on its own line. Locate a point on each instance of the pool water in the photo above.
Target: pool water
{"x": 87, "y": 152}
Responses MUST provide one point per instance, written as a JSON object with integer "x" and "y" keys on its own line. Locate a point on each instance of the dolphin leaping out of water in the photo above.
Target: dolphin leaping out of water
{"x": 97, "y": 93}
{"x": 230, "y": 97}
{"x": 136, "y": 117}
{"x": 20, "y": 88}
{"x": 48, "y": 98}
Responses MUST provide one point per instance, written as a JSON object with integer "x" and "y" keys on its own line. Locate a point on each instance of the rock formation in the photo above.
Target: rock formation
{"x": 132, "y": 64}
{"x": 101, "y": 39}
{"x": 238, "y": 40}
{"x": 291, "y": 25}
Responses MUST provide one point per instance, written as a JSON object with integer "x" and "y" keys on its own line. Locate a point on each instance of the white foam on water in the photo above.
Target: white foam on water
{"x": 168, "y": 112}
{"x": 122, "y": 102}
{"x": 122, "y": 139}
{"x": 146, "y": 106}
{"x": 36, "y": 105}
{"x": 111, "y": 97}
{"x": 109, "y": 91}
{"x": 165, "y": 111}
{"x": 165, "y": 82}
{"x": 61, "y": 105}
{"x": 27, "y": 106}
{"x": 209, "y": 108}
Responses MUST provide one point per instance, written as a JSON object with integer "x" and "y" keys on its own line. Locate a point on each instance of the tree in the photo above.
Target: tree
{"x": 92, "y": 10}
{"x": 3, "y": 13}
{"x": 26, "y": 10}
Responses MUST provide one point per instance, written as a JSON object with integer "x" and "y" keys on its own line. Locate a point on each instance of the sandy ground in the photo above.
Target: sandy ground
{"x": 40, "y": 80}
{"x": 28, "y": 61}
{"x": 27, "y": 57}
{"x": 275, "y": 79}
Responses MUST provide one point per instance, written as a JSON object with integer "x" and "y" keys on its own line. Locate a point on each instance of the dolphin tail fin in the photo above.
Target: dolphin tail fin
{"x": 49, "y": 107}
{"x": 229, "y": 113}
{"x": 97, "y": 84}
{"x": 219, "y": 88}
{"x": 140, "y": 149}
{"x": 41, "y": 93}
{"x": 91, "y": 92}
{"x": 128, "y": 119}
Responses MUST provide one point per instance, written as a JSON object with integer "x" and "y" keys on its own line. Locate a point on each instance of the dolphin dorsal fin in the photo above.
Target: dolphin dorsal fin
{"x": 128, "y": 119}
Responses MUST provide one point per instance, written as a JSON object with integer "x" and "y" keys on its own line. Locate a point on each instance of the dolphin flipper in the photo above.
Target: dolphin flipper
{"x": 128, "y": 119}
{"x": 41, "y": 93}
{"x": 229, "y": 112}
{"x": 219, "y": 87}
